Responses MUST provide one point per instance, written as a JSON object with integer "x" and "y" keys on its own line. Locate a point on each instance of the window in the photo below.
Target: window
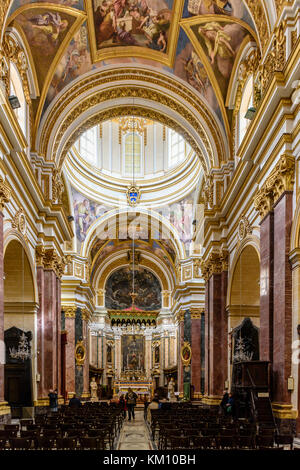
{"x": 176, "y": 147}
{"x": 133, "y": 146}
{"x": 246, "y": 103}
{"x": 16, "y": 89}
{"x": 88, "y": 145}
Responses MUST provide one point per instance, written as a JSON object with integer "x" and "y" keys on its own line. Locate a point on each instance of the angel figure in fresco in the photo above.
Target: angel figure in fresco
{"x": 216, "y": 41}
{"x": 50, "y": 24}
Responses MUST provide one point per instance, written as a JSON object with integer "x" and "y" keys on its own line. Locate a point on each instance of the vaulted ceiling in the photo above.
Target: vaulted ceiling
{"x": 198, "y": 41}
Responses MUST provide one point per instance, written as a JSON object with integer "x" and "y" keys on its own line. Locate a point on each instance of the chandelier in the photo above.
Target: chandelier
{"x": 23, "y": 351}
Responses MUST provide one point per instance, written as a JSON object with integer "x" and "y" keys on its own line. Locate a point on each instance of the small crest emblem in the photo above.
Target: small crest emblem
{"x": 133, "y": 195}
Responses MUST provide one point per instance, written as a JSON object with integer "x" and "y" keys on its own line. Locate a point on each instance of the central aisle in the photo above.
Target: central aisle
{"x": 134, "y": 434}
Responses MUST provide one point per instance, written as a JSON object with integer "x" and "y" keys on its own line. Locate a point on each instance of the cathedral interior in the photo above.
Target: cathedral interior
{"x": 149, "y": 205}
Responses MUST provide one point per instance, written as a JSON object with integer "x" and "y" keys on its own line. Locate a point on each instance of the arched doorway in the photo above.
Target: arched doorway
{"x": 19, "y": 325}
{"x": 244, "y": 307}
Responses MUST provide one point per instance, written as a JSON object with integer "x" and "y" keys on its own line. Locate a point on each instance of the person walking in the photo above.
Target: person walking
{"x": 53, "y": 400}
{"x": 130, "y": 398}
{"x": 122, "y": 404}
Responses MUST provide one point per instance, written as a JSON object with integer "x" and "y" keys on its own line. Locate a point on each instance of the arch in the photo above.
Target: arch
{"x": 116, "y": 214}
{"x": 132, "y": 91}
{"x": 243, "y": 284}
{"x": 13, "y": 235}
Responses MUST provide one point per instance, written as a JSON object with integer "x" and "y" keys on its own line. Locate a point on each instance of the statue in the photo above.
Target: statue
{"x": 94, "y": 387}
{"x": 171, "y": 390}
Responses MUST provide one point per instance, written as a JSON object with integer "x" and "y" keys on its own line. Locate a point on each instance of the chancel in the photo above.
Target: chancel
{"x": 149, "y": 224}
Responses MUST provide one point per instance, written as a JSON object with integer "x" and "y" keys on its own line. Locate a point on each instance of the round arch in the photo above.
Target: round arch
{"x": 140, "y": 91}
{"x": 115, "y": 215}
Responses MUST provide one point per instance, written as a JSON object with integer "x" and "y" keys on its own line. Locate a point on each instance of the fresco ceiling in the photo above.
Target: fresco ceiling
{"x": 196, "y": 40}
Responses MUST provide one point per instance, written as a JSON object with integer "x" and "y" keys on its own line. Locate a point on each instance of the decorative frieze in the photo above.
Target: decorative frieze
{"x": 281, "y": 179}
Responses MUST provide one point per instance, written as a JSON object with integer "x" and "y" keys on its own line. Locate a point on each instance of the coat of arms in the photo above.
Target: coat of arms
{"x": 133, "y": 195}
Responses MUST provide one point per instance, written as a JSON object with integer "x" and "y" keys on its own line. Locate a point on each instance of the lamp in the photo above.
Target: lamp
{"x": 250, "y": 113}
{"x": 14, "y": 102}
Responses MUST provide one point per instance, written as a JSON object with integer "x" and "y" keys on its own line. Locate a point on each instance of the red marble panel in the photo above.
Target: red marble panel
{"x": 196, "y": 354}
{"x": 207, "y": 352}
{"x": 216, "y": 384}
{"x": 180, "y": 367}
{"x": 70, "y": 355}
{"x": 86, "y": 385}
{"x": 266, "y": 287}
{"x": 224, "y": 326}
{"x": 40, "y": 329}
{"x": 58, "y": 334}
{"x": 50, "y": 333}
{"x": 282, "y": 299}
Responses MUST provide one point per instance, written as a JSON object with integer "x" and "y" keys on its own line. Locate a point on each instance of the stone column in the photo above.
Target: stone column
{"x": 282, "y": 327}
{"x": 180, "y": 343}
{"x": 148, "y": 353}
{"x": 214, "y": 271}
{"x": 70, "y": 312}
{"x": 295, "y": 263}
{"x": 58, "y": 338}
{"x": 277, "y": 193}
{"x": 5, "y": 195}
{"x": 118, "y": 355}
{"x": 40, "y": 324}
{"x": 196, "y": 351}
{"x": 86, "y": 364}
{"x": 266, "y": 286}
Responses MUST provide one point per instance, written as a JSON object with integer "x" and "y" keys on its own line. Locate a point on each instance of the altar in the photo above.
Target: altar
{"x": 141, "y": 388}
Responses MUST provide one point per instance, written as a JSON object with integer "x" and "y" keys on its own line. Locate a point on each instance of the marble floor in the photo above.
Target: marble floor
{"x": 134, "y": 434}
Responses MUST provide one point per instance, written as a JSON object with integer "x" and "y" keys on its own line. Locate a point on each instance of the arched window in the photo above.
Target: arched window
{"x": 88, "y": 145}
{"x": 176, "y": 150}
{"x": 16, "y": 89}
{"x": 133, "y": 146}
{"x": 246, "y": 103}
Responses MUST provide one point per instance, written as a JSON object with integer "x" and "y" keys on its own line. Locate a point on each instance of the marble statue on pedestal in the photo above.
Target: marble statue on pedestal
{"x": 94, "y": 387}
{"x": 171, "y": 390}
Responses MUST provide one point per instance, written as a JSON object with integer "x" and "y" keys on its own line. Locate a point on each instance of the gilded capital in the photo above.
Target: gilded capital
{"x": 39, "y": 255}
{"x": 196, "y": 312}
{"x": 281, "y": 179}
{"x": 5, "y": 193}
{"x": 69, "y": 310}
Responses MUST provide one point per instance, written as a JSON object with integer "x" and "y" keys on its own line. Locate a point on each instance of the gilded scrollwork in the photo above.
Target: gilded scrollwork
{"x": 19, "y": 222}
{"x": 5, "y": 193}
{"x": 281, "y": 179}
{"x": 260, "y": 20}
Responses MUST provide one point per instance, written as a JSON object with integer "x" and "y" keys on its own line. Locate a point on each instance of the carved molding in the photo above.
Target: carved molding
{"x": 281, "y": 179}
{"x": 5, "y": 193}
{"x": 19, "y": 222}
{"x": 244, "y": 228}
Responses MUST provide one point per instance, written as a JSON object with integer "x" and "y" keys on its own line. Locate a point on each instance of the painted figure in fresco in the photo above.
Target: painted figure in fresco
{"x": 204, "y": 7}
{"x": 196, "y": 73}
{"x": 216, "y": 41}
{"x": 83, "y": 217}
{"x": 50, "y": 24}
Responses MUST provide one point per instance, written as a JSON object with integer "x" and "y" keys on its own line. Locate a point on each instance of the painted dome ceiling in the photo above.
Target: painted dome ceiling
{"x": 198, "y": 41}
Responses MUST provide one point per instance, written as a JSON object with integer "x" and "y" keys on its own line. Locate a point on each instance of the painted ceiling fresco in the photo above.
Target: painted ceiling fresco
{"x": 120, "y": 285}
{"x": 195, "y": 40}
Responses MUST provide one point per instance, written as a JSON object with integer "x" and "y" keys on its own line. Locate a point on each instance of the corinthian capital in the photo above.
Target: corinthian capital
{"x": 5, "y": 193}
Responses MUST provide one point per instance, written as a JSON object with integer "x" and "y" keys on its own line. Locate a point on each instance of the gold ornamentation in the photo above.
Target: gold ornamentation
{"x": 260, "y": 20}
{"x": 79, "y": 270}
{"x": 244, "y": 228}
{"x": 208, "y": 192}
{"x": 51, "y": 260}
{"x": 133, "y": 194}
{"x": 4, "y": 5}
{"x": 178, "y": 273}
{"x": 281, "y": 3}
{"x": 39, "y": 255}
{"x": 152, "y": 78}
{"x": 196, "y": 312}
{"x": 197, "y": 268}
{"x": 70, "y": 311}
{"x": 57, "y": 187}
{"x": 187, "y": 273}
{"x": 281, "y": 179}
{"x": 85, "y": 313}
{"x": 216, "y": 263}
{"x": 19, "y": 222}
{"x": 5, "y": 193}
{"x": 186, "y": 353}
{"x": 80, "y": 353}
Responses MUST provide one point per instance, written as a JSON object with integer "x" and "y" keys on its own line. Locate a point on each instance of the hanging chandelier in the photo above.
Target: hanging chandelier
{"x": 23, "y": 352}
